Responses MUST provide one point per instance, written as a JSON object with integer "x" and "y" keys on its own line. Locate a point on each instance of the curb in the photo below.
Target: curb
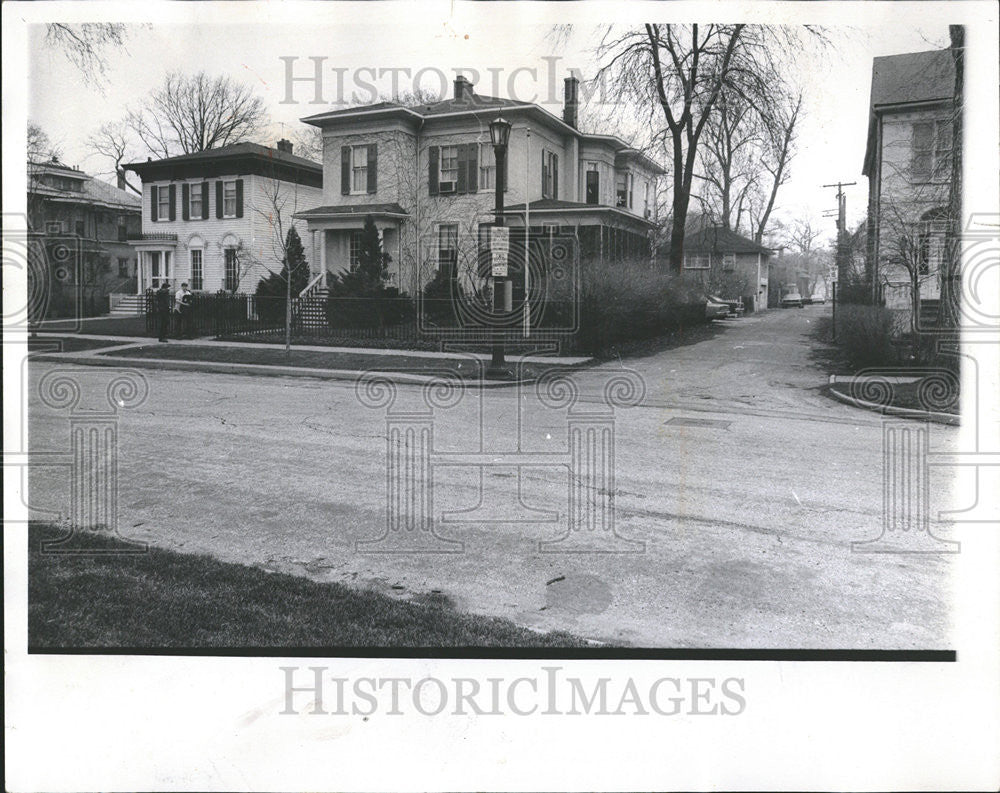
{"x": 264, "y": 370}
{"x": 907, "y": 413}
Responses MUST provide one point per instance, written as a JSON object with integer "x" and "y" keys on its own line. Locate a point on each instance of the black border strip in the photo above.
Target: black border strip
{"x": 525, "y": 653}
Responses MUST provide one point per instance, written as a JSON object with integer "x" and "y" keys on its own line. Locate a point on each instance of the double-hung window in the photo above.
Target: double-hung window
{"x": 229, "y": 199}
{"x": 487, "y": 167}
{"x": 448, "y": 169}
{"x": 195, "y": 205}
{"x": 163, "y": 203}
{"x": 197, "y": 269}
{"x": 232, "y": 280}
{"x": 448, "y": 247}
{"x": 930, "y": 151}
{"x": 359, "y": 169}
{"x": 550, "y": 174}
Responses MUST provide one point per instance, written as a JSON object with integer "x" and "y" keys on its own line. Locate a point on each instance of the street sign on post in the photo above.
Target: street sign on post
{"x": 499, "y": 246}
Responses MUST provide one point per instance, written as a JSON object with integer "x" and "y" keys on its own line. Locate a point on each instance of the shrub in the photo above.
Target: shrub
{"x": 633, "y": 299}
{"x": 865, "y": 334}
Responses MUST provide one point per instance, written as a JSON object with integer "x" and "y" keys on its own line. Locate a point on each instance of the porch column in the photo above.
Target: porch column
{"x": 322, "y": 257}
{"x": 139, "y": 261}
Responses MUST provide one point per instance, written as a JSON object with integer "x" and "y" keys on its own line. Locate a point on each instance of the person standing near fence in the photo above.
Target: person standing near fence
{"x": 183, "y": 301}
{"x": 163, "y": 310}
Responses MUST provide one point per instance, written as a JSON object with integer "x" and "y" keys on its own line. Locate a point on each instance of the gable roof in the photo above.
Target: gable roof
{"x": 717, "y": 239}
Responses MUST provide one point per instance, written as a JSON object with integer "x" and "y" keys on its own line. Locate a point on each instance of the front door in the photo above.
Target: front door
{"x": 157, "y": 268}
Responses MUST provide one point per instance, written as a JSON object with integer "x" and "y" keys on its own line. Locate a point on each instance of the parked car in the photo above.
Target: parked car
{"x": 715, "y": 308}
{"x": 735, "y": 306}
{"x": 817, "y": 300}
{"x": 792, "y": 300}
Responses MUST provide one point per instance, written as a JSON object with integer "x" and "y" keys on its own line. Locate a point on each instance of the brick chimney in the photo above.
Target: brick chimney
{"x": 285, "y": 145}
{"x": 571, "y": 98}
{"x": 463, "y": 89}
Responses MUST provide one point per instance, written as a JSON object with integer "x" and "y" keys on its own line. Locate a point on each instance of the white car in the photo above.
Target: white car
{"x": 792, "y": 300}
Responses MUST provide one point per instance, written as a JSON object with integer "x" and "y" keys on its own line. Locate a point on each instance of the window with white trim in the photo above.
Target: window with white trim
{"x": 448, "y": 166}
{"x": 623, "y": 188}
{"x": 448, "y": 246}
{"x": 197, "y": 270}
{"x": 487, "y": 167}
{"x": 163, "y": 203}
{"x": 359, "y": 169}
{"x": 930, "y": 151}
{"x": 194, "y": 203}
{"x": 229, "y": 199}
{"x": 697, "y": 261}
{"x": 232, "y": 273}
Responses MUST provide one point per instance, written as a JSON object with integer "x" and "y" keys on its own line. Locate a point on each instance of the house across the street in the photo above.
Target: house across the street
{"x": 216, "y": 218}
{"x": 82, "y": 225}
{"x": 426, "y": 174}
{"x": 727, "y": 262}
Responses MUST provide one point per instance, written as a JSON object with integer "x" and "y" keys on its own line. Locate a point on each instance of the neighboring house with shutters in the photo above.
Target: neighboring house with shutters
{"x": 427, "y": 176}
{"x": 211, "y": 218}
{"x": 83, "y": 225}
{"x": 908, "y": 162}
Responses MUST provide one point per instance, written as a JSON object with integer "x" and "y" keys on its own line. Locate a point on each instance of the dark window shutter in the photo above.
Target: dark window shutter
{"x": 239, "y": 198}
{"x": 345, "y": 170}
{"x": 432, "y": 169}
{"x": 473, "y": 167}
{"x": 154, "y": 203}
{"x": 204, "y": 200}
{"x": 372, "y": 168}
{"x": 555, "y": 176}
{"x": 463, "y": 158}
{"x": 173, "y": 202}
{"x": 185, "y": 201}
{"x": 218, "y": 199}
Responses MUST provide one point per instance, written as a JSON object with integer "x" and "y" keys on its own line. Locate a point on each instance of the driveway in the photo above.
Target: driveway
{"x": 738, "y": 491}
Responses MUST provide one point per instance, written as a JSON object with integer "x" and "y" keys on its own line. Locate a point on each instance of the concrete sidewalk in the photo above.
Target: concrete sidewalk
{"x": 367, "y": 360}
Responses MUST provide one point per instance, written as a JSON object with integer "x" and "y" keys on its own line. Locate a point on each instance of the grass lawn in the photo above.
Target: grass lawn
{"x": 98, "y": 326}
{"x": 907, "y": 395}
{"x": 163, "y": 599}
{"x": 359, "y": 361}
{"x": 68, "y": 344}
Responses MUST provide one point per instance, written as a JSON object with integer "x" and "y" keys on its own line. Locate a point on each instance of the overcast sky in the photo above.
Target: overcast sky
{"x": 831, "y": 136}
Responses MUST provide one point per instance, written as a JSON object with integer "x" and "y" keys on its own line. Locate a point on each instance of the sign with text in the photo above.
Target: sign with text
{"x": 499, "y": 246}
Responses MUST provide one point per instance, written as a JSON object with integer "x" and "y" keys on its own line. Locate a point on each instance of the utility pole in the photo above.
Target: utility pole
{"x": 842, "y": 250}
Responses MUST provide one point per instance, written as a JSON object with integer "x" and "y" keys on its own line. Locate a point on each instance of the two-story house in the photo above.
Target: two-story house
{"x": 908, "y": 162}
{"x": 427, "y": 176}
{"x": 69, "y": 210}
{"x": 217, "y": 218}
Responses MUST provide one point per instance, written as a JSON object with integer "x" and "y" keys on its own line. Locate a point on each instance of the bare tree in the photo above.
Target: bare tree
{"x": 40, "y": 146}
{"x": 779, "y": 123}
{"x": 112, "y": 142}
{"x": 682, "y": 71}
{"x": 86, "y": 46}
{"x": 192, "y": 113}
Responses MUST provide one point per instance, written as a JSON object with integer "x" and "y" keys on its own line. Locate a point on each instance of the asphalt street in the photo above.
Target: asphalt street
{"x": 737, "y": 489}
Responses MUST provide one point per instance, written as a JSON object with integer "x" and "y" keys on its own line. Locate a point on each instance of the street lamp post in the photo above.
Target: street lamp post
{"x": 499, "y": 136}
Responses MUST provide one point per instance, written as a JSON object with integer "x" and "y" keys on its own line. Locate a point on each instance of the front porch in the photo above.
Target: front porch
{"x": 156, "y": 260}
